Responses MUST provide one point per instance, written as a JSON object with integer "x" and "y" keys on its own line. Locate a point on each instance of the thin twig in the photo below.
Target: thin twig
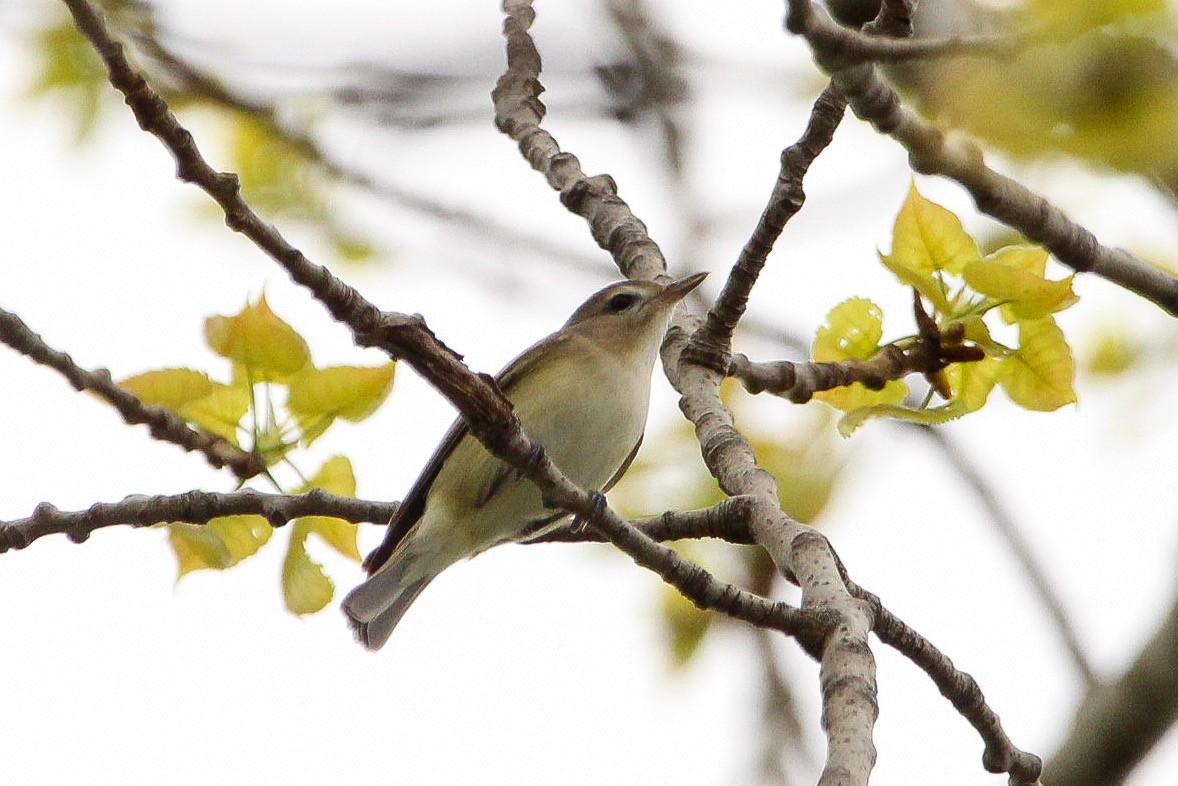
{"x": 727, "y": 520}
{"x": 194, "y": 507}
{"x": 962, "y": 691}
{"x": 163, "y": 424}
{"x": 711, "y": 343}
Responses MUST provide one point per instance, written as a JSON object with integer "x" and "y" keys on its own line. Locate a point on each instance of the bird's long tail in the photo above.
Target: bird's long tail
{"x": 375, "y": 607}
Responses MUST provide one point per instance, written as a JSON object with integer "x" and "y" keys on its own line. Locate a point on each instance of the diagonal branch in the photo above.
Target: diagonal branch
{"x": 163, "y": 424}
{"x": 711, "y": 343}
{"x": 962, "y": 691}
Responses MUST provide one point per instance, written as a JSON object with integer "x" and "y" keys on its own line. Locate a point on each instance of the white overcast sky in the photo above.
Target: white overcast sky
{"x": 526, "y": 665}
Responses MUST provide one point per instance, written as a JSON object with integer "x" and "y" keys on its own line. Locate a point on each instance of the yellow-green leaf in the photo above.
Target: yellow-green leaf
{"x": 351, "y": 247}
{"x": 337, "y": 477}
{"x": 928, "y": 239}
{"x": 68, "y": 67}
{"x": 219, "y": 544}
{"x": 213, "y": 406}
{"x": 806, "y": 464}
{"x": 242, "y": 535}
{"x": 197, "y": 548}
{"x": 275, "y": 173}
{"x": 850, "y": 422}
{"x": 170, "y": 387}
{"x": 853, "y": 331}
{"x": 1041, "y": 374}
{"x": 1027, "y": 294}
{"x": 318, "y": 396}
{"x": 972, "y": 382}
{"x": 259, "y": 341}
{"x": 220, "y": 412}
{"x": 1032, "y": 259}
{"x": 306, "y": 589}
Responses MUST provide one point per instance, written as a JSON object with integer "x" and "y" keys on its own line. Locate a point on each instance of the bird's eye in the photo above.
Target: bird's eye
{"x": 619, "y": 303}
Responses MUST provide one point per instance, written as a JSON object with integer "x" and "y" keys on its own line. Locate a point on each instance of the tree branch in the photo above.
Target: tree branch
{"x": 837, "y": 47}
{"x": 962, "y": 691}
{"x": 518, "y": 112}
{"x": 873, "y": 99}
{"x": 711, "y": 343}
{"x": 162, "y": 424}
{"x": 727, "y": 520}
{"x": 194, "y": 507}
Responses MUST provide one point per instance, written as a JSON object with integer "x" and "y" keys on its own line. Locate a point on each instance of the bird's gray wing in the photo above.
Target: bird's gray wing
{"x": 413, "y": 505}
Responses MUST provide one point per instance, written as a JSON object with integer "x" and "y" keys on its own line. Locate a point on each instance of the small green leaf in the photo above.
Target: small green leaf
{"x": 197, "y": 548}
{"x": 806, "y": 464}
{"x": 275, "y": 173}
{"x": 1041, "y": 374}
{"x": 213, "y": 406}
{"x": 319, "y": 396}
{"x": 351, "y": 247}
{"x": 850, "y": 422}
{"x": 853, "y": 330}
{"x": 1032, "y": 259}
{"x": 170, "y": 387}
{"x": 220, "y": 412}
{"x": 337, "y": 477}
{"x": 259, "y": 341}
{"x": 926, "y": 240}
{"x": 1014, "y": 276}
{"x": 306, "y": 589}
{"x": 68, "y": 68}
{"x": 219, "y": 544}
{"x": 242, "y": 535}
{"x": 972, "y": 382}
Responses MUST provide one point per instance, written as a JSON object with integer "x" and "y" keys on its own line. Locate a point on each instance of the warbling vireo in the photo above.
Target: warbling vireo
{"x": 583, "y": 393}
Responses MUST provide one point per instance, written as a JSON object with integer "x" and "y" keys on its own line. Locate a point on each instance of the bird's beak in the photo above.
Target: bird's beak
{"x": 677, "y": 290}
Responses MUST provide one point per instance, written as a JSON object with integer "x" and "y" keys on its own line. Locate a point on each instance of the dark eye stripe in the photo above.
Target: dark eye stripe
{"x": 621, "y": 302}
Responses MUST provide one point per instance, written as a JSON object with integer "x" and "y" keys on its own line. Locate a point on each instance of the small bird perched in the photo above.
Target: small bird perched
{"x": 582, "y": 393}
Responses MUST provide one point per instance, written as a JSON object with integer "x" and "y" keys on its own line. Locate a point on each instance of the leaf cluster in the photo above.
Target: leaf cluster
{"x": 275, "y": 400}
{"x": 932, "y": 253}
